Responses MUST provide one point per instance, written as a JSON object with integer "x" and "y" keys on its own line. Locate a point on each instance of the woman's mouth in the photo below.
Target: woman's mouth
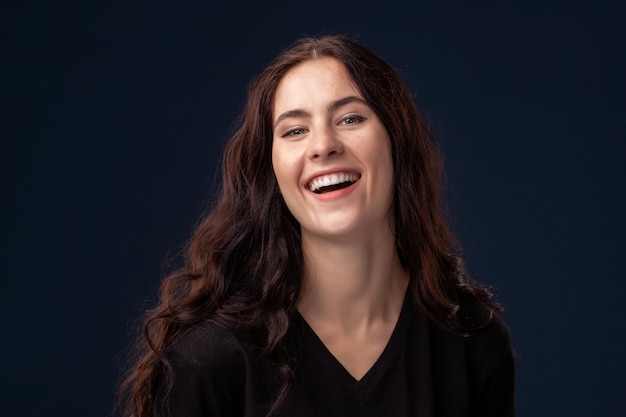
{"x": 332, "y": 182}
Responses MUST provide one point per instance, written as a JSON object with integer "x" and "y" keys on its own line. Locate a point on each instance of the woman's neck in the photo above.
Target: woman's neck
{"x": 352, "y": 284}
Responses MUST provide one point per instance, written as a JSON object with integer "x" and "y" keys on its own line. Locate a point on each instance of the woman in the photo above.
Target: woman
{"x": 323, "y": 282}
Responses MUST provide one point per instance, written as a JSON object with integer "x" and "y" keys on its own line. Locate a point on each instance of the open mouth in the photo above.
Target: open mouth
{"x": 333, "y": 182}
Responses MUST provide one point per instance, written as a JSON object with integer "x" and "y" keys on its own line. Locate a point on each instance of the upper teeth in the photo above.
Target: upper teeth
{"x": 332, "y": 179}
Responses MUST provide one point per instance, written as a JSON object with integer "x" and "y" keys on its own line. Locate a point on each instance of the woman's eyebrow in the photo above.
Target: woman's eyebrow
{"x": 343, "y": 101}
{"x": 331, "y": 107}
{"x": 291, "y": 113}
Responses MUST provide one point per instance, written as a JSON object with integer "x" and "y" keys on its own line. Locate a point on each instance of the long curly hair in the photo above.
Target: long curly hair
{"x": 242, "y": 266}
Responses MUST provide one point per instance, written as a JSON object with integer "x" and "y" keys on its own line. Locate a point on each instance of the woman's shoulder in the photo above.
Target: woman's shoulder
{"x": 490, "y": 359}
{"x": 488, "y": 346}
{"x": 212, "y": 363}
{"x": 487, "y": 331}
{"x": 474, "y": 363}
{"x": 480, "y": 331}
{"x": 208, "y": 345}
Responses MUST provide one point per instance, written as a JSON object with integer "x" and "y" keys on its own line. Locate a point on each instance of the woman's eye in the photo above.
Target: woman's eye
{"x": 350, "y": 120}
{"x": 294, "y": 132}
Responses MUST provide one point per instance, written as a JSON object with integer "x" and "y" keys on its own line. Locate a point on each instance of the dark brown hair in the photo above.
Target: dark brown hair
{"x": 242, "y": 266}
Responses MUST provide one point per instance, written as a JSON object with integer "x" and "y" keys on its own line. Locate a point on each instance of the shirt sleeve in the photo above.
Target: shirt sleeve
{"x": 493, "y": 373}
{"x": 496, "y": 398}
{"x": 207, "y": 377}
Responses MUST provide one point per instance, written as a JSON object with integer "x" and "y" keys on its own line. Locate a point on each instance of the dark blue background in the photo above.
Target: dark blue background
{"x": 114, "y": 113}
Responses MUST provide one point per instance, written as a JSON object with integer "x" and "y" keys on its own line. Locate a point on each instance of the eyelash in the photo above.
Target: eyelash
{"x": 356, "y": 119}
{"x": 292, "y": 132}
{"x": 344, "y": 122}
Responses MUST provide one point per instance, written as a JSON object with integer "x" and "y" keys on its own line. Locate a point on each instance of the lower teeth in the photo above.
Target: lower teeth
{"x": 333, "y": 187}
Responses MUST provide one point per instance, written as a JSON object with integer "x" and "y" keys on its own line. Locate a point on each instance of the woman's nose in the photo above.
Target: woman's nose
{"x": 324, "y": 144}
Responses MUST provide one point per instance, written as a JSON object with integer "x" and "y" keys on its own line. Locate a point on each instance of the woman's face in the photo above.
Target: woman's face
{"x": 331, "y": 154}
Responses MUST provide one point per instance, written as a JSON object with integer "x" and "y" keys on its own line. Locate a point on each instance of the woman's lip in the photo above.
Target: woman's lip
{"x": 336, "y": 194}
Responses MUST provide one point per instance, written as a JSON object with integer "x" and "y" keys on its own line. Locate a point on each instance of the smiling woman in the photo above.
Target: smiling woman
{"x": 324, "y": 282}
{"x": 325, "y": 131}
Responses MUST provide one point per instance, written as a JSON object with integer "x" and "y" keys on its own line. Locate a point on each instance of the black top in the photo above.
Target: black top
{"x": 423, "y": 371}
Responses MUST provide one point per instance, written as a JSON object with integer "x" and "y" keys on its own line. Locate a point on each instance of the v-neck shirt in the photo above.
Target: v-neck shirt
{"x": 424, "y": 371}
{"x": 397, "y": 384}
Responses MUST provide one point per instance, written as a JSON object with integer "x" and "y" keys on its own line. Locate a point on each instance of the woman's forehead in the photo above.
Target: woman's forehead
{"x": 313, "y": 82}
